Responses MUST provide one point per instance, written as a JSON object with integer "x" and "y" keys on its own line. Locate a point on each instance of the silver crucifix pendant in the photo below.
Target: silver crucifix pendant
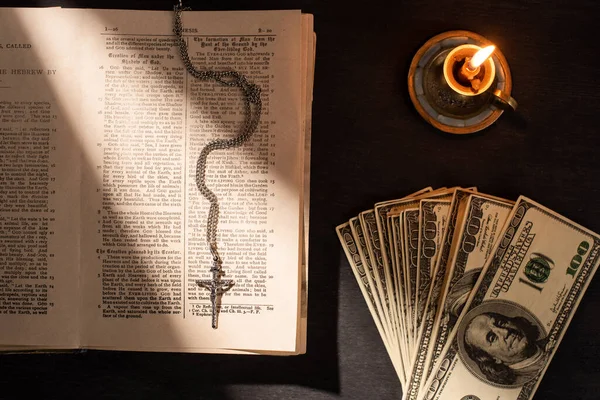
{"x": 216, "y": 285}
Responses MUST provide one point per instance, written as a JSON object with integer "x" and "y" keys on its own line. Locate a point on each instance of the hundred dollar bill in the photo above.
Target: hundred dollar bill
{"x": 384, "y": 231}
{"x": 522, "y": 305}
{"x": 402, "y": 257}
{"x": 433, "y": 219}
{"x": 372, "y": 278}
{"x": 411, "y": 254}
{"x": 383, "y": 228}
{"x": 398, "y": 282}
{"x": 371, "y": 253}
{"x": 384, "y": 281}
{"x": 415, "y": 372}
{"x": 375, "y": 229}
{"x": 350, "y": 247}
{"x": 482, "y": 220}
{"x": 442, "y": 193}
{"x": 381, "y": 212}
{"x": 397, "y": 208}
{"x": 416, "y": 375}
{"x": 395, "y": 229}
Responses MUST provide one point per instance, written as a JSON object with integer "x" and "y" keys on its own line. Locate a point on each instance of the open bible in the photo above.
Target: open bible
{"x": 102, "y": 228}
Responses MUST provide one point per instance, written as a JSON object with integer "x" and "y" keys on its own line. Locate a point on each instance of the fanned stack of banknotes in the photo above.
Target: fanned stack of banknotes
{"x": 471, "y": 293}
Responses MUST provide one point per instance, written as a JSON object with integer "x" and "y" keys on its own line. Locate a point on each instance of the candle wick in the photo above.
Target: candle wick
{"x": 470, "y": 66}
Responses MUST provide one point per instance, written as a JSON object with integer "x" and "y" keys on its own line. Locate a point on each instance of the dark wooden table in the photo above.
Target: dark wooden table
{"x": 369, "y": 144}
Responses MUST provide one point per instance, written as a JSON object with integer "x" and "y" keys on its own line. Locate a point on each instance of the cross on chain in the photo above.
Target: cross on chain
{"x": 253, "y": 111}
{"x": 216, "y": 285}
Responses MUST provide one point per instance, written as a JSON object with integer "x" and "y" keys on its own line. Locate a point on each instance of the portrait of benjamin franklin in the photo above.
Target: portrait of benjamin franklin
{"x": 502, "y": 343}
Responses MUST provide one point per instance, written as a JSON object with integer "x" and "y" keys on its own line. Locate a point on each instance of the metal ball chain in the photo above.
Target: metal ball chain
{"x": 251, "y": 94}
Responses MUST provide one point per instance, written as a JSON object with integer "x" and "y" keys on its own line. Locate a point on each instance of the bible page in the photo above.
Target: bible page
{"x": 39, "y": 180}
{"x": 144, "y": 222}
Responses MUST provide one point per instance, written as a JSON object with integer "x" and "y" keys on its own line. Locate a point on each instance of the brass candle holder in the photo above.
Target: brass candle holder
{"x": 452, "y": 93}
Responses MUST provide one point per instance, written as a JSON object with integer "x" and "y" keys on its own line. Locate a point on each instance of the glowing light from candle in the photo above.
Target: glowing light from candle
{"x": 480, "y": 57}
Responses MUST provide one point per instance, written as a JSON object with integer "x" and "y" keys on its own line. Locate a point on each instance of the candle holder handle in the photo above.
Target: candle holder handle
{"x": 505, "y": 101}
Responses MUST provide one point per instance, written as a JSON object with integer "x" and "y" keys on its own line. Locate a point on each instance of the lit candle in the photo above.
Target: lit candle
{"x": 469, "y": 69}
{"x": 472, "y": 65}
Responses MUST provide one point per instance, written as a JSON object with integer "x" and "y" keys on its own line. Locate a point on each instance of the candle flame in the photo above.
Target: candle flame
{"x": 480, "y": 57}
